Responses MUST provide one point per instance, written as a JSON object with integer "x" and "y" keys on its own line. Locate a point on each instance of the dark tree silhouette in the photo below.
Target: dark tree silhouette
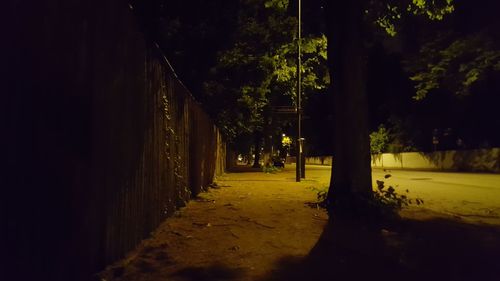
{"x": 351, "y": 183}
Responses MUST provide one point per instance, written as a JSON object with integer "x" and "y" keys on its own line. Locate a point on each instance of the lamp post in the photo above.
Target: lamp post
{"x": 298, "y": 161}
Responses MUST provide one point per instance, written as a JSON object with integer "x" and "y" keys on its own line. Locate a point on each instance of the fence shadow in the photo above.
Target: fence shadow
{"x": 413, "y": 250}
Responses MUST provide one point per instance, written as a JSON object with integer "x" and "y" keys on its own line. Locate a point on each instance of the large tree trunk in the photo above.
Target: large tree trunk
{"x": 257, "y": 146}
{"x": 268, "y": 139}
{"x": 350, "y": 183}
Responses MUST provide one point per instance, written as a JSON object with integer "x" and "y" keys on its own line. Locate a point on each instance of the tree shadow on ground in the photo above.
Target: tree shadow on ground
{"x": 243, "y": 169}
{"x": 409, "y": 250}
{"x": 215, "y": 272}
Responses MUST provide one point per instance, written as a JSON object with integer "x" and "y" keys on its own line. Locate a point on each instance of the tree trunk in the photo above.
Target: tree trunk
{"x": 350, "y": 183}
{"x": 257, "y": 146}
{"x": 268, "y": 139}
{"x": 231, "y": 158}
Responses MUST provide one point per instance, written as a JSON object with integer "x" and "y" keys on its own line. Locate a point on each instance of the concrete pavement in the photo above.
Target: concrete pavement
{"x": 469, "y": 196}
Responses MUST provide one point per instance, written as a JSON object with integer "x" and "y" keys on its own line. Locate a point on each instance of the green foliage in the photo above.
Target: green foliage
{"x": 388, "y": 14}
{"x": 277, "y": 4}
{"x": 314, "y": 70}
{"x": 433, "y": 9}
{"x": 388, "y": 201}
{"x": 270, "y": 169}
{"x": 394, "y": 136}
{"x": 388, "y": 198}
{"x": 453, "y": 64}
{"x": 321, "y": 196}
{"x": 259, "y": 65}
{"x": 387, "y": 20}
{"x": 379, "y": 140}
{"x": 239, "y": 88}
{"x": 385, "y": 203}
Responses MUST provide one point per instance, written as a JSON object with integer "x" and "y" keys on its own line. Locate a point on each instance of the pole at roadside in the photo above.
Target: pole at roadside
{"x": 298, "y": 161}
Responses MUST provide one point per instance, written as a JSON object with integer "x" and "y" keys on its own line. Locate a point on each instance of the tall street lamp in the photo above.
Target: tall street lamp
{"x": 298, "y": 161}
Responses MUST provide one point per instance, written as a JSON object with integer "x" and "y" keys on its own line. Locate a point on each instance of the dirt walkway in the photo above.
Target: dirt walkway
{"x": 256, "y": 226}
{"x": 236, "y": 231}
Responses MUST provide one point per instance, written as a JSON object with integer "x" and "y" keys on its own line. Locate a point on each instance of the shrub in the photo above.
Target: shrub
{"x": 270, "y": 169}
{"x": 385, "y": 202}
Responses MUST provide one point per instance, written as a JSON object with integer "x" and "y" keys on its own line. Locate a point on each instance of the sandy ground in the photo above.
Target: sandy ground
{"x": 246, "y": 224}
{"x": 257, "y": 226}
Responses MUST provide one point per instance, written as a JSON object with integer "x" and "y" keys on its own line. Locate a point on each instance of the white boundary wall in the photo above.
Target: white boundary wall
{"x": 478, "y": 160}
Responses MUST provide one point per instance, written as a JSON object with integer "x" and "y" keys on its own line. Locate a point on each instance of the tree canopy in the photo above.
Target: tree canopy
{"x": 452, "y": 65}
{"x": 260, "y": 68}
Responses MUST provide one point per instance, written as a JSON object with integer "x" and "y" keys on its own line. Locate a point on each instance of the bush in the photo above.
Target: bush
{"x": 270, "y": 169}
{"x": 321, "y": 195}
{"x": 385, "y": 202}
{"x": 379, "y": 140}
{"x": 388, "y": 202}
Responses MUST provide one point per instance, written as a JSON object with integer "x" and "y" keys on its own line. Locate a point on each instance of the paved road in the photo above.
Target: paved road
{"x": 471, "y": 196}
